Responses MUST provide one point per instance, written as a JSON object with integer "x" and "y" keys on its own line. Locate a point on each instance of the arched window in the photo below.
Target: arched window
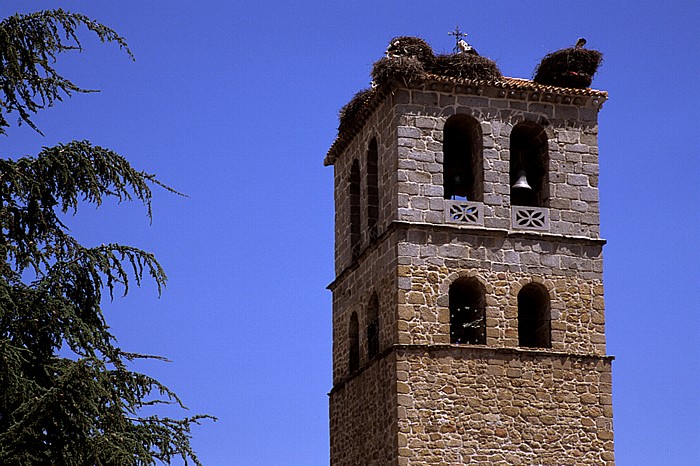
{"x": 372, "y": 188}
{"x": 354, "y": 341}
{"x": 373, "y": 326}
{"x": 529, "y": 160}
{"x": 534, "y": 321}
{"x": 355, "y": 217}
{"x": 463, "y": 175}
{"x": 467, "y": 312}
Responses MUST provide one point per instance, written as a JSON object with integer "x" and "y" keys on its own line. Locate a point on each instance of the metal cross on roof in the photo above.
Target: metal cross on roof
{"x": 458, "y": 35}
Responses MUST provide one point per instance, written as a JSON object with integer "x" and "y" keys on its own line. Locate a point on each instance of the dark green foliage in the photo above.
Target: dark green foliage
{"x": 86, "y": 409}
{"x": 571, "y": 67}
{"x": 466, "y": 66}
{"x": 29, "y": 45}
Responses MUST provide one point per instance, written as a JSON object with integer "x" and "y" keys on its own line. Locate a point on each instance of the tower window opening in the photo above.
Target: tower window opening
{"x": 529, "y": 160}
{"x": 463, "y": 176}
{"x": 372, "y": 188}
{"x": 467, "y": 312}
{"x": 373, "y": 326}
{"x": 354, "y": 342}
{"x": 534, "y": 317}
{"x": 355, "y": 215}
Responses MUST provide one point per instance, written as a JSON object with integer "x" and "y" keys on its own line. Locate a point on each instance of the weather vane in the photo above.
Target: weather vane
{"x": 458, "y": 36}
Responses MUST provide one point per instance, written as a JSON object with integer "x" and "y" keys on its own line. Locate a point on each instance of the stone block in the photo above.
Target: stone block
{"x": 409, "y": 215}
{"x": 568, "y": 137}
{"x": 565, "y": 112}
{"x": 472, "y": 102}
{"x": 429, "y": 99}
{"x": 542, "y": 109}
{"x": 447, "y": 100}
{"x": 409, "y": 132}
{"x": 420, "y": 203}
{"x": 426, "y": 122}
{"x": 434, "y": 217}
{"x": 589, "y": 194}
{"x": 577, "y": 180}
{"x": 564, "y": 191}
{"x": 412, "y": 189}
{"x": 437, "y": 204}
{"x": 432, "y": 191}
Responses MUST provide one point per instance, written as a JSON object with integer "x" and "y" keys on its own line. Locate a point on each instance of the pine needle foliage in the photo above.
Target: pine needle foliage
{"x": 29, "y": 45}
{"x": 86, "y": 409}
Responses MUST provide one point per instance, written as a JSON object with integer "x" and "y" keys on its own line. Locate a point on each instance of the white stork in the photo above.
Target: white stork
{"x": 464, "y": 47}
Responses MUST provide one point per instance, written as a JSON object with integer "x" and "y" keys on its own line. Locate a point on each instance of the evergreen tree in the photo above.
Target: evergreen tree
{"x": 85, "y": 409}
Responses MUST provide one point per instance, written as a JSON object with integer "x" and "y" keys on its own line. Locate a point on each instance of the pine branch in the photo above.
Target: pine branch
{"x": 34, "y": 190}
{"x": 86, "y": 409}
{"x": 93, "y": 420}
{"x": 29, "y": 46}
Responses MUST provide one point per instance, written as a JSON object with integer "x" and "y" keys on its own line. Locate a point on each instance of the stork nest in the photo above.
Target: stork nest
{"x": 403, "y": 70}
{"x": 408, "y": 60}
{"x": 466, "y": 66}
{"x": 351, "y": 112}
{"x": 571, "y": 67}
{"x": 409, "y": 46}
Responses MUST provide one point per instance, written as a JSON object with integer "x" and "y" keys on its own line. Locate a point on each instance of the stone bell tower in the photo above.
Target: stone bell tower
{"x": 468, "y": 312}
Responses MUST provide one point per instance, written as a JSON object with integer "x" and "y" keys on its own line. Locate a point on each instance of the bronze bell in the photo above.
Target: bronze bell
{"x": 522, "y": 183}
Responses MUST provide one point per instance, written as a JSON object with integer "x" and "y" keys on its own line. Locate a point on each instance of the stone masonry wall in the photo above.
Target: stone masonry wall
{"x": 352, "y": 292}
{"x": 363, "y": 416}
{"x": 382, "y": 126}
{"x": 480, "y": 406}
{"x": 422, "y": 401}
{"x": 573, "y": 156}
{"x": 430, "y": 260}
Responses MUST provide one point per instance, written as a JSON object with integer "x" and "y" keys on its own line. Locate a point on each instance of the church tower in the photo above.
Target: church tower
{"x": 468, "y": 312}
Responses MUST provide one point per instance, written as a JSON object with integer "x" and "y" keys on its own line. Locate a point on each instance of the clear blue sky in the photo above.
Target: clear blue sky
{"x": 235, "y": 103}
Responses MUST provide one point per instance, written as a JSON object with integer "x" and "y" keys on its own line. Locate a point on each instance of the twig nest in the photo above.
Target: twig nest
{"x": 351, "y": 112}
{"x": 466, "y": 66}
{"x": 403, "y": 70}
{"x": 408, "y": 46}
{"x": 570, "y": 67}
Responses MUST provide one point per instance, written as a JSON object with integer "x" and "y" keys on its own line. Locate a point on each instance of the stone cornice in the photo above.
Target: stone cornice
{"x": 474, "y": 351}
{"x": 492, "y": 232}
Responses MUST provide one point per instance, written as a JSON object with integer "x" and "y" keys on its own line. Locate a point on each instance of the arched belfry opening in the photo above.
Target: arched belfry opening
{"x": 372, "y": 187}
{"x": 355, "y": 211}
{"x": 529, "y": 161}
{"x": 467, "y": 312}
{"x": 534, "y": 317}
{"x": 463, "y": 165}
{"x": 354, "y": 343}
{"x": 373, "y": 326}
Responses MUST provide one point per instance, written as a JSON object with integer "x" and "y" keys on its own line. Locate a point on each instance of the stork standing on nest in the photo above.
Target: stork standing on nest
{"x": 462, "y": 45}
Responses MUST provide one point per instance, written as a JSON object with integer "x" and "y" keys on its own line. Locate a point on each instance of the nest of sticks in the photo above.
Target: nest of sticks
{"x": 408, "y": 60}
{"x": 401, "y": 70}
{"x": 351, "y": 112}
{"x": 466, "y": 66}
{"x": 570, "y": 67}
{"x": 408, "y": 46}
